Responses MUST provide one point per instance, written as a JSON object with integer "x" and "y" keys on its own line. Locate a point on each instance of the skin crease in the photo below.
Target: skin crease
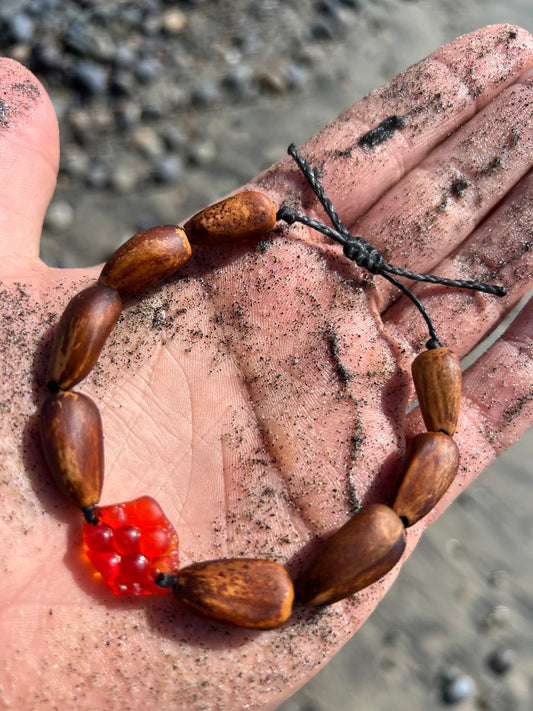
{"x": 260, "y": 394}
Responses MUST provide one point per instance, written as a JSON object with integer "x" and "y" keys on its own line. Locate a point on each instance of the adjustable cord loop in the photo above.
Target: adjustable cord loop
{"x": 358, "y": 250}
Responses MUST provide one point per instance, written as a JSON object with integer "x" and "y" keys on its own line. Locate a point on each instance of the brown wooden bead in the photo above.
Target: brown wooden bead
{"x": 245, "y": 592}
{"x": 239, "y": 218}
{"x": 145, "y": 259}
{"x": 437, "y": 378}
{"x": 429, "y": 467}
{"x": 357, "y": 555}
{"x": 81, "y": 334}
{"x": 73, "y": 443}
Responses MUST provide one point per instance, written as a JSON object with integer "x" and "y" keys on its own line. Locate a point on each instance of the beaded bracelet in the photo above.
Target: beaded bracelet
{"x": 132, "y": 545}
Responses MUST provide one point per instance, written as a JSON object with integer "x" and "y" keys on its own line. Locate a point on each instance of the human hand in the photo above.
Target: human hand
{"x": 262, "y": 393}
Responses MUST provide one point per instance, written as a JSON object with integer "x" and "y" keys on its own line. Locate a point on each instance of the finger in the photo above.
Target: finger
{"x": 499, "y": 251}
{"x": 30, "y": 153}
{"x": 498, "y": 390}
{"x": 436, "y": 206}
{"x": 434, "y": 97}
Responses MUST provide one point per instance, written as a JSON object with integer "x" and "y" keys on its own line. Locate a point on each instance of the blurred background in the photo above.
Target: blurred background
{"x": 167, "y": 106}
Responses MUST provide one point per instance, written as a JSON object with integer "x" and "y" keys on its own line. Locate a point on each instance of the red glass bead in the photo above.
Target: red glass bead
{"x": 131, "y": 545}
{"x": 126, "y": 539}
{"x": 155, "y": 542}
{"x": 99, "y": 538}
{"x": 107, "y": 564}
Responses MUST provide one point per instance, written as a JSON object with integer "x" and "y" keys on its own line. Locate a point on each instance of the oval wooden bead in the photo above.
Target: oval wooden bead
{"x": 429, "y": 467}
{"x": 437, "y": 379}
{"x": 81, "y": 334}
{"x": 357, "y": 555}
{"x": 239, "y": 218}
{"x": 145, "y": 259}
{"x": 245, "y": 592}
{"x": 73, "y": 443}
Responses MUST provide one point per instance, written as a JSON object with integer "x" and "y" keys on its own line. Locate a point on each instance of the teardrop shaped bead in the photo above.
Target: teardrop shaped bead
{"x": 145, "y": 259}
{"x": 428, "y": 468}
{"x": 239, "y": 218}
{"x": 437, "y": 379}
{"x": 81, "y": 335}
{"x": 244, "y": 592}
{"x": 73, "y": 444}
{"x": 357, "y": 555}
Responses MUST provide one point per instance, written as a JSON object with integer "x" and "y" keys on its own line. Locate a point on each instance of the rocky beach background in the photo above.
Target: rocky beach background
{"x": 165, "y": 107}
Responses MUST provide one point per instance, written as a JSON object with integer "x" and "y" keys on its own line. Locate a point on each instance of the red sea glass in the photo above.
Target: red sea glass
{"x": 131, "y": 545}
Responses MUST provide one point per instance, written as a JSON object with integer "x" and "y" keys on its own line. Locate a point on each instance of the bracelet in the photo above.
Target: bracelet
{"x": 132, "y": 546}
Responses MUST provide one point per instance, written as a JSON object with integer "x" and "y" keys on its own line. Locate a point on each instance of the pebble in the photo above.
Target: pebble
{"x": 498, "y": 618}
{"x": 123, "y": 178}
{"x": 169, "y": 169}
{"x": 125, "y": 58}
{"x": 333, "y": 10}
{"x": 74, "y": 162}
{"x": 174, "y": 21}
{"x": 501, "y": 660}
{"x": 145, "y": 140}
{"x": 499, "y": 579}
{"x": 46, "y": 57}
{"x": 297, "y": 76}
{"x": 59, "y": 216}
{"x": 37, "y": 8}
{"x": 102, "y": 118}
{"x": 127, "y": 114}
{"x": 152, "y": 7}
{"x": 89, "y": 42}
{"x": 90, "y": 78}
{"x": 202, "y": 152}
{"x": 174, "y": 137}
{"x": 205, "y": 94}
{"x": 97, "y": 175}
{"x": 240, "y": 80}
{"x": 321, "y": 30}
{"x": 20, "y": 28}
{"x": 457, "y": 687}
{"x": 250, "y": 42}
{"x": 148, "y": 70}
{"x": 20, "y": 53}
{"x": 156, "y": 102}
{"x": 122, "y": 83}
{"x": 272, "y": 80}
{"x": 77, "y": 38}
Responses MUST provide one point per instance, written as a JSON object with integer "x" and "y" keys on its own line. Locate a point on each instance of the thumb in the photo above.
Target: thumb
{"x": 29, "y": 157}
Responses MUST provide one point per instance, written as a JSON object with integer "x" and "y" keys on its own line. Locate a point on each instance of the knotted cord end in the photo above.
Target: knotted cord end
{"x": 357, "y": 250}
{"x": 287, "y": 214}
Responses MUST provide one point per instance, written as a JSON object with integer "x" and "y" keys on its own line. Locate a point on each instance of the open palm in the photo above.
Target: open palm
{"x": 260, "y": 395}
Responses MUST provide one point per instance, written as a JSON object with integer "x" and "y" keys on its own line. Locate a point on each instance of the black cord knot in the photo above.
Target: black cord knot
{"x": 287, "y": 214}
{"x": 165, "y": 580}
{"x": 90, "y": 516}
{"x": 433, "y": 343}
{"x": 363, "y": 254}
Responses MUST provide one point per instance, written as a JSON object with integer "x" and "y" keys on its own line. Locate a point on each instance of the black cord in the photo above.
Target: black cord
{"x": 358, "y": 250}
